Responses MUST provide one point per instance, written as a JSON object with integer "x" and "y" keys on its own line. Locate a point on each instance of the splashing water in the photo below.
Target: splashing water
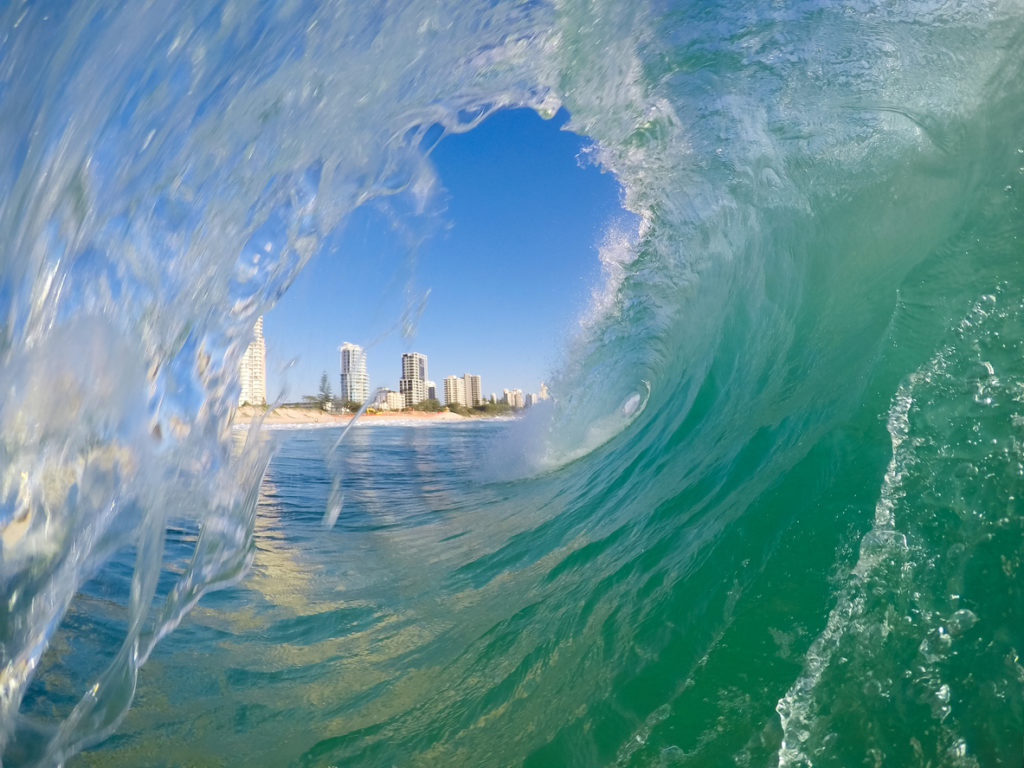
{"x": 730, "y": 557}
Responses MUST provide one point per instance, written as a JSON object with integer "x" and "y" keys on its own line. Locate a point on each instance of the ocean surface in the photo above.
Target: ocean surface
{"x": 339, "y": 640}
{"x": 771, "y": 517}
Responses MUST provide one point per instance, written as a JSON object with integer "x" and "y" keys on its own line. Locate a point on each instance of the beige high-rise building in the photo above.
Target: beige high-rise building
{"x": 454, "y": 391}
{"x": 253, "y": 369}
{"x": 474, "y": 392}
{"x": 514, "y": 397}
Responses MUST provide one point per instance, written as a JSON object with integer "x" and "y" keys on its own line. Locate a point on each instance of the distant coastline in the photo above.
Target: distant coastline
{"x": 297, "y": 416}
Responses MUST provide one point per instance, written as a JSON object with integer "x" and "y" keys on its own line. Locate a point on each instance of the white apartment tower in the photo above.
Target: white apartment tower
{"x": 413, "y": 384}
{"x": 474, "y": 392}
{"x": 253, "y": 369}
{"x": 355, "y": 384}
{"x": 454, "y": 391}
{"x": 514, "y": 397}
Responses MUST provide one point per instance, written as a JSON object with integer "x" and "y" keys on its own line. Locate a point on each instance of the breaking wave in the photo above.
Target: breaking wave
{"x": 781, "y": 519}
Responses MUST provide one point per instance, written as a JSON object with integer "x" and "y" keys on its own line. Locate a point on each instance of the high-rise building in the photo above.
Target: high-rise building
{"x": 413, "y": 384}
{"x": 474, "y": 392}
{"x": 431, "y": 391}
{"x": 414, "y": 366}
{"x": 454, "y": 391}
{"x": 514, "y": 397}
{"x": 253, "y": 369}
{"x": 355, "y": 384}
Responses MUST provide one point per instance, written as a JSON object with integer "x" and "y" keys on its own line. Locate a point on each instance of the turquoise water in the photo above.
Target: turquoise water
{"x": 771, "y": 518}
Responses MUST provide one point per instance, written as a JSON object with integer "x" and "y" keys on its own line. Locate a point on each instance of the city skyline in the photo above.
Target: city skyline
{"x": 414, "y": 387}
{"x": 492, "y": 279}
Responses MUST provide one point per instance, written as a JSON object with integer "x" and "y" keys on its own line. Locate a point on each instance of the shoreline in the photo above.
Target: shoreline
{"x": 295, "y": 416}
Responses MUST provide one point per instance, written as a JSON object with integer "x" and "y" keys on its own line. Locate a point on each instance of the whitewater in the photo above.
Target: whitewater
{"x": 773, "y": 516}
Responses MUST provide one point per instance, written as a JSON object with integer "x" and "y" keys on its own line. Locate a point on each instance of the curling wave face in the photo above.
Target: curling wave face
{"x": 731, "y": 557}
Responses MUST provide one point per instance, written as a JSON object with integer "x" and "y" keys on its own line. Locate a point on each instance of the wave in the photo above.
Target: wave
{"x": 742, "y": 563}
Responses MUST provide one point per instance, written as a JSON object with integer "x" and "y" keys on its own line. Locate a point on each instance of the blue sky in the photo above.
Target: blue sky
{"x": 497, "y": 277}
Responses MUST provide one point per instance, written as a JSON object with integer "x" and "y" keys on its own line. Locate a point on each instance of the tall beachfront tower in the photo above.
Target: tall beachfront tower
{"x": 413, "y": 384}
{"x": 474, "y": 391}
{"x": 463, "y": 390}
{"x": 253, "y": 369}
{"x": 355, "y": 384}
{"x": 514, "y": 397}
{"x": 454, "y": 391}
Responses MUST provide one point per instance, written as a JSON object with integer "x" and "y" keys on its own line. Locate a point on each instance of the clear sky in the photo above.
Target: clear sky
{"x": 506, "y": 268}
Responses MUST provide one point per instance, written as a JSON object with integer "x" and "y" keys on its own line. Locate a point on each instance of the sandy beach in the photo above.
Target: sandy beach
{"x": 291, "y": 415}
